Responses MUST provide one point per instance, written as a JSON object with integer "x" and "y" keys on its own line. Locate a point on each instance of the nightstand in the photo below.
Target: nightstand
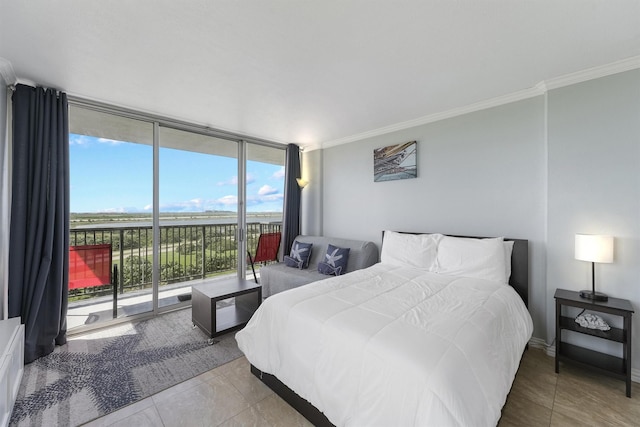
{"x": 610, "y": 365}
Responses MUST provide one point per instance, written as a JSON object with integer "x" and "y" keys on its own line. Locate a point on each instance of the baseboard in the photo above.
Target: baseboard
{"x": 538, "y": 343}
{"x": 550, "y": 350}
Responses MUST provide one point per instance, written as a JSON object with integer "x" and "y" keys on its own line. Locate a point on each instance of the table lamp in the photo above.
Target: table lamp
{"x": 594, "y": 248}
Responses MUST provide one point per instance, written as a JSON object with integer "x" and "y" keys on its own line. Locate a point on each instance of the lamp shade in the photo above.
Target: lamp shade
{"x": 594, "y": 248}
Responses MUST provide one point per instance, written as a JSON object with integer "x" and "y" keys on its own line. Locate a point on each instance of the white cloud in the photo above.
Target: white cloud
{"x": 231, "y": 181}
{"x": 122, "y": 209}
{"x": 113, "y": 210}
{"x": 228, "y": 200}
{"x": 198, "y": 205}
{"x": 264, "y": 199}
{"x": 109, "y": 141}
{"x": 75, "y": 139}
{"x": 266, "y": 190}
{"x": 193, "y": 205}
{"x": 279, "y": 174}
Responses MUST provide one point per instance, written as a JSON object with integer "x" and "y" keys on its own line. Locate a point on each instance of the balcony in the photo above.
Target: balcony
{"x": 190, "y": 253}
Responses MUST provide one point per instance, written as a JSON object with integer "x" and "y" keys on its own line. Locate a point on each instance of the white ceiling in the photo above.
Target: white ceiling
{"x": 310, "y": 72}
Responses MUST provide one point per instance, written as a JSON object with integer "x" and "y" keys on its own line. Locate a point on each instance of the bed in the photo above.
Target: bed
{"x": 431, "y": 335}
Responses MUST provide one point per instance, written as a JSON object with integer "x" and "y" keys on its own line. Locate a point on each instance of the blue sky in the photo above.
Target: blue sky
{"x": 114, "y": 176}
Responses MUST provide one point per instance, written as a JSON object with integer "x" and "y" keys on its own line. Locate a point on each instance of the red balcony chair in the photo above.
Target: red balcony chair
{"x": 89, "y": 265}
{"x": 267, "y": 250}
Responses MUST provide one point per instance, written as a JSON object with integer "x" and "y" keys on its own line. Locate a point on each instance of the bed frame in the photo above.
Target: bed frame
{"x": 519, "y": 280}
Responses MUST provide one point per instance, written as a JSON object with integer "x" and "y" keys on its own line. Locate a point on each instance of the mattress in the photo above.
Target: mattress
{"x": 393, "y": 345}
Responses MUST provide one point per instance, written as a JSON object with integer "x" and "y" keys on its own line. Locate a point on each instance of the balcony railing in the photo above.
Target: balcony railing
{"x": 187, "y": 252}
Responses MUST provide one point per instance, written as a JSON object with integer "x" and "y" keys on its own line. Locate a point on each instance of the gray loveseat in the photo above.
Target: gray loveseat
{"x": 278, "y": 277}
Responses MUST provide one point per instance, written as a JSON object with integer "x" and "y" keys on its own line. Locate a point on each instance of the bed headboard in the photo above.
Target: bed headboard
{"x": 519, "y": 279}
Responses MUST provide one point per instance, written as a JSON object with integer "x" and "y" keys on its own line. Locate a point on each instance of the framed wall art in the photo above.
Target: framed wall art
{"x": 395, "y": 162}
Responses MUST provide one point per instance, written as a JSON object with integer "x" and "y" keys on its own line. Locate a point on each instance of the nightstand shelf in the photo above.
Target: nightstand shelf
{"x": 617, "y": 367}
{"x": 613, "y": 334}
{"x": 605, "y": 363}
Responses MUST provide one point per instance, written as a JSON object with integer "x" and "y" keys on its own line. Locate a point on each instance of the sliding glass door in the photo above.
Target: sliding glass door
{"x": 264, "y": 194}
{"x": 198, "y": 212}
{"x": 111, "y": 245}
{"x": 158, "y": 207}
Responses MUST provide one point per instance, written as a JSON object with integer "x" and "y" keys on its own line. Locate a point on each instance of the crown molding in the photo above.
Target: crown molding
{"x": 594, "y": 73}
{"x": 311, "y": 146}
{"x": 482, "y": 105}
{"x": 539, "y": 89}
{"x": 7, "y": 73}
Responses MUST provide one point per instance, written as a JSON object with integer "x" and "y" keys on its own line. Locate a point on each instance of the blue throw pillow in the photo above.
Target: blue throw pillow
{"x": 299, "y": 256}
{"x": 335, "y": 261}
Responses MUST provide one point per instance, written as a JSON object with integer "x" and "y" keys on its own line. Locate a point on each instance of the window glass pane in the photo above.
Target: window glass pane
{"x": 265, "y": 183}
{"x": 111, "y": 189}
{"x": 265, "y": 194}
{"x": 198, "y": 209}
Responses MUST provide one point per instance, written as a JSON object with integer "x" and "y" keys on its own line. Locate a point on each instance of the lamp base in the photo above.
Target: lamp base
{"x": 594, "y": 296}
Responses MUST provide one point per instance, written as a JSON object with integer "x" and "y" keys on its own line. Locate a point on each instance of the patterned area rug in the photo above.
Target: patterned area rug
{"x": 98, "y": 373}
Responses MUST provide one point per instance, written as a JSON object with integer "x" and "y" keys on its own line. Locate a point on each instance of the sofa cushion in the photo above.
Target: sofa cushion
{"x": 299, "y": 256}
{"x": 276, "y": 278}
{"x": 335, "y": 261}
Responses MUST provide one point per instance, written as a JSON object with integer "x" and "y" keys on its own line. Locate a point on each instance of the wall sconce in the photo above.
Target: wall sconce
{"x": 594, "y": 248}
{"x": 302, "y": 183}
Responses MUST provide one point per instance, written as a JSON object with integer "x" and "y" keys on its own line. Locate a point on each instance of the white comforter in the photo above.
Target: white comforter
{"x": 394, "y": 346}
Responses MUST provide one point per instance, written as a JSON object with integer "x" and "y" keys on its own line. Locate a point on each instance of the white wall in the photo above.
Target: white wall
{"x": 541, "y": 169}
{"x": 311, "y": 203}
{"x": 594, "y": 188}
{"x": 480, "y": 174}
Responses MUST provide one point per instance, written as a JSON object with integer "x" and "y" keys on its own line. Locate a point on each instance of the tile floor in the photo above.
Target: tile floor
{"x": 231, "y": 396}
{"x": 574, "y": 397}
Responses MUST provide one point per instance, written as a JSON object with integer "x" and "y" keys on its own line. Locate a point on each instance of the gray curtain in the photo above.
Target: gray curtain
{"x": 39, "y": 233}
{"x": 291, "y": 220}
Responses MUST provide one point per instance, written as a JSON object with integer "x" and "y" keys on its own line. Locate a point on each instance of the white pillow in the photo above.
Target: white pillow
{"x": 508, "y": 250}
{"x": 410, "y": 250}
{"x": 479, "y": 258}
